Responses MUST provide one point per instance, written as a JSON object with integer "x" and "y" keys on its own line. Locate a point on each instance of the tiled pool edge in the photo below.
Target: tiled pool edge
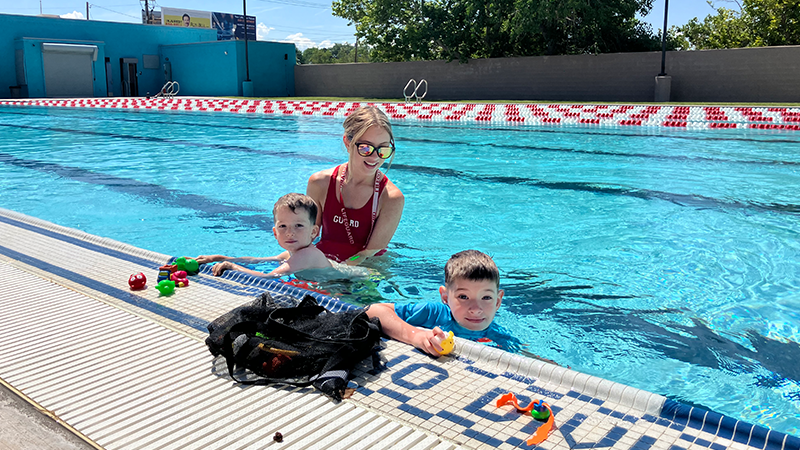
{"x": 549, "y": 114}
{"x": 655, "y": 407}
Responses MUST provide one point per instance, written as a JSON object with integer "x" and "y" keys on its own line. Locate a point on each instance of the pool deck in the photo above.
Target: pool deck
{"x": 129, "y": 369}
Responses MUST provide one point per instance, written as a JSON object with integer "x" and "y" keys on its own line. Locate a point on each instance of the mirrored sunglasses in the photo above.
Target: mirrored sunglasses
{"x": 366, "y": 149}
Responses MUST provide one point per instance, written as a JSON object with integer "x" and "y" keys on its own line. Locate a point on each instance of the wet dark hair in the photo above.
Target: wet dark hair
{"x": 295, "y": 201}
{"x": 471, "y": 265}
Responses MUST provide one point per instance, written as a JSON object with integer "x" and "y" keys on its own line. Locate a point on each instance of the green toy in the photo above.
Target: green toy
{"x": 540, "y": 410}
{"x": 166, "y": 287}
{"x": 190, "y": 265}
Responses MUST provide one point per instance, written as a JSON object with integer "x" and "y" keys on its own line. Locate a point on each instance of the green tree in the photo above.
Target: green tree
{"x": 339, "y": 53}
{"x": 463, "y": 29}
{"x": 773, "y": 22}
{"x": 726, "y": 29}
{"x": 756, "y": 23}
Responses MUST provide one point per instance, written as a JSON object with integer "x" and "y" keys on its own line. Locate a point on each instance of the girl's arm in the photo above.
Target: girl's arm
{"x": 389, "y": 215}
{"x": 317, "y": 189}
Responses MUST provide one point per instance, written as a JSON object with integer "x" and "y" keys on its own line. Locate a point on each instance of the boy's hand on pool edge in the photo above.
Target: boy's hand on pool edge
{"x": 220, "y": 268}
{"x": 205, "y": 259}
{"x": 428, "y": 340}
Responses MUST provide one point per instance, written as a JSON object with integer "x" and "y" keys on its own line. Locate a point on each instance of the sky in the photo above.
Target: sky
{"x": 307, "y": 23}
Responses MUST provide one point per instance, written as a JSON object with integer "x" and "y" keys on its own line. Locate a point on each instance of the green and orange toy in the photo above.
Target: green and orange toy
{"x": 539, "y": 410}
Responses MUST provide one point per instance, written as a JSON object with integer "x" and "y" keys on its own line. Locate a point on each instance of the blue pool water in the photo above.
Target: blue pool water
{"x": 667, "y": 260}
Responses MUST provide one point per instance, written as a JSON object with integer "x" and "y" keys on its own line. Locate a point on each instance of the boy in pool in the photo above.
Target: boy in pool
{"x": 295, "y": 228}
{"x": 470, "y": 297}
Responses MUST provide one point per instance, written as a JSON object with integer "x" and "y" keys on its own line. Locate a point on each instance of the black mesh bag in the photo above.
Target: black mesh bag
{"x": 300, "y": 345}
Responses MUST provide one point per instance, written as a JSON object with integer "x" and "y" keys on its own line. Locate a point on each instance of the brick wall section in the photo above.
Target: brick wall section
{"x": 769, "y": 74}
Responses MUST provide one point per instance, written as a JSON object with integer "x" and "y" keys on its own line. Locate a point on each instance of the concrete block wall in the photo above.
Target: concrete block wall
{"x": 767, "y": 74}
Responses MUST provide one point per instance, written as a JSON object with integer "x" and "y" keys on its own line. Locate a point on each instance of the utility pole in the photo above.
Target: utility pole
{"x": 146, "y": 12}
{"x": 664, "y": 41}
{"x": 246, "y": 56}
{"x": 87, "y": 10}
{"x": 40, "y": 7}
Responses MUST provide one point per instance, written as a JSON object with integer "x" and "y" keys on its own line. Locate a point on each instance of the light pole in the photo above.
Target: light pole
{"x": 663, "y": 82}
{"x": 664, "y": 41}
{"x": 246, "y": 56}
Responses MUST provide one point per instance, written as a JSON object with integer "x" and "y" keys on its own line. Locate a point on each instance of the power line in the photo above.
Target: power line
{"x": 311, "y": 33}
{"x": 301, "y": 3}
{"x": 92, "y": 5}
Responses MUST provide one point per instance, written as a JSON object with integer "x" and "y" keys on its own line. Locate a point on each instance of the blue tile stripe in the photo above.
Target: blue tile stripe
{"x": 726, "y": 428}
{"x": 80, "y": 242}
{"x": 197, "y": 323}
{"x": 125, "y": 296}
{"x": 274, "y": 286}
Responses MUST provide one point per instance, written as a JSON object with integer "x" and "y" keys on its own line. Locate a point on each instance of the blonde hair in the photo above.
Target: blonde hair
{"x": 363, "y": 117}
{"x": 471, "y": 265}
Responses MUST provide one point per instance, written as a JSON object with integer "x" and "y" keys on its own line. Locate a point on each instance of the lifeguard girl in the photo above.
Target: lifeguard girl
{"x": 361, "y": 207}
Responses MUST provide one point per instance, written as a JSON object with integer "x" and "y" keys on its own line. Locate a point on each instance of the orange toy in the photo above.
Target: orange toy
{"x": 541, "y": 434}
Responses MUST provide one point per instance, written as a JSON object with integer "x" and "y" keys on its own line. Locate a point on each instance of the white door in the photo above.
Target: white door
{"x": 68, "y": 69}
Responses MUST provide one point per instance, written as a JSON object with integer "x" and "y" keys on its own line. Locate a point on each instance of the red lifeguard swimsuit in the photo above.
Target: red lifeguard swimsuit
{"x": 336, "y": 242}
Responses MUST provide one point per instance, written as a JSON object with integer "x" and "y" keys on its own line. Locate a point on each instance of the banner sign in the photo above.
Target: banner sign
{"x": 185, "y": 18}
{"x": 231, "y": 26}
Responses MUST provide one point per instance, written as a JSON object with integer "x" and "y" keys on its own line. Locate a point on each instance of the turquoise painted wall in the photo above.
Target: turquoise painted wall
{"x": 121, "y": 40}
{"x": 271, "y": 68}
{"x": 218, "y": 68}
{"x": 204, "y": 69}
{"x": 199, "y": 62}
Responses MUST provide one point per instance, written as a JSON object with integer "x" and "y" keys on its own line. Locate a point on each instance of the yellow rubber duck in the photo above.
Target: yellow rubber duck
{"x": 447, "y": 344}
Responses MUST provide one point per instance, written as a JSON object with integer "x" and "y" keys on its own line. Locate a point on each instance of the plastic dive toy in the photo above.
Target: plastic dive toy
{"x": 447, "y": 344}
{"x": 137, "y": 281}
{"x": 179, "y": 277}
{"x": 166, "y": 287}
{"x": 187, "y": 264}
{"x": 164, "y": 272}
{"x": 539, "y": 410}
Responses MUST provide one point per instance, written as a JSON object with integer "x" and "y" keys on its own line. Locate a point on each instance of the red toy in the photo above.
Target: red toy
{"x": 179, "y": 277}
{"x": 137, "y": 281}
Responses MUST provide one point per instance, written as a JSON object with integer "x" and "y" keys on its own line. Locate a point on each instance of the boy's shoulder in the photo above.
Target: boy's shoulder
{"x": 310, "y": 257}
{"x": 424, "y": 314}
{"x": 421, "y": 307}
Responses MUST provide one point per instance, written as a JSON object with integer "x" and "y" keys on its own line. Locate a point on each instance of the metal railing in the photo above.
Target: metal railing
{"x": 415, "y": 90}
{"x": 170, "y": 89}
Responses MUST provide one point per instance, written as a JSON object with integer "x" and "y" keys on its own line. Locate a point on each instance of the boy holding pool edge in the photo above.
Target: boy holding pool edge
{"x": 470, "y": 298}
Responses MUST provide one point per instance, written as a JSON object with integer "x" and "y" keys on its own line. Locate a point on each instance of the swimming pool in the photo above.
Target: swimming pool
{"x": 663, "y": 259}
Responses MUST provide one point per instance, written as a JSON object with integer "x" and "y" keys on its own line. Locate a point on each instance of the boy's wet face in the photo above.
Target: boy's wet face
{"x": 294, "y": 230}
{"x": 472, "y": 303}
